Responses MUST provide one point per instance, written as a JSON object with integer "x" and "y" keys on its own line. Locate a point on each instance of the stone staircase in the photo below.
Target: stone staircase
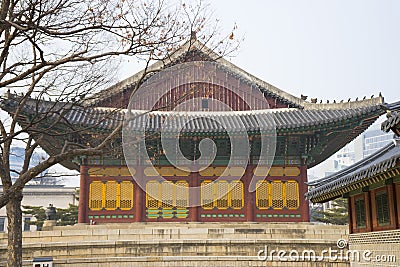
{"x": 178, "y": 244}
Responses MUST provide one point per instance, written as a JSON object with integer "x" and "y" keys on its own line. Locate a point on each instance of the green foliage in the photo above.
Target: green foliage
{"x": 77, "y": 193}
{"x": 68, "y": 216}
{"x": 338, "y": 214}
{"x": 36, "y": 211}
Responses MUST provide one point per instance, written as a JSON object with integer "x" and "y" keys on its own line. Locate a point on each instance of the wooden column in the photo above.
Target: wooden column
{"x": 140, "y": 199}
{"x": 194, "y": 182}
{"x": 83, "y": 195}
{"x": 304, "y": 207}
{"x": 391, "y": 202}
{"x": 397, "y": 203}
{"x": 352, "y": 221}
{"x": 368, "y": 213}
{"x": 248, "y": 197}
{"x": 140, "y": 204}
{"x": 374, "y": 222}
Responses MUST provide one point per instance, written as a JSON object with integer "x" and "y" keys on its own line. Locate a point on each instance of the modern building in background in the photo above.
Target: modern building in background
{"x": 41, "y": 191}
{"x": 363, "y": 146}
{"x": 41, "y": 195}
{"x": 372, "y": 141}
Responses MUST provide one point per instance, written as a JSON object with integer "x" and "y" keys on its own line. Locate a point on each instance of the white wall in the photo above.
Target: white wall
{"x": 59, "y": 196}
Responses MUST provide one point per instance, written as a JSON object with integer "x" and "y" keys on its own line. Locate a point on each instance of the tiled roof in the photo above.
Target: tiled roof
{"x": 331, "y": 126}
{"x": 361, "y": 174}
{"x": 391, "y": 122}
{"x": 283, "y": 119}
{"x": 393, "y": 116}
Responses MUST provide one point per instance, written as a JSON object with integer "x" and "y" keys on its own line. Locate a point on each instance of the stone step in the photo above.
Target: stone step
{"x": 186, "y": 232}
{"x": 95, "y": 249}
{"x": 174, "y": 225}
{"x": 81, "y": 244}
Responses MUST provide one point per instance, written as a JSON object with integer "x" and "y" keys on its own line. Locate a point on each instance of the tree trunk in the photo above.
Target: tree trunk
{"x": 14, "y": 215}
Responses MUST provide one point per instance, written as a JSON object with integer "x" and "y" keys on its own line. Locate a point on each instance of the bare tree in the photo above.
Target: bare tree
{"x": 64, "y": 52}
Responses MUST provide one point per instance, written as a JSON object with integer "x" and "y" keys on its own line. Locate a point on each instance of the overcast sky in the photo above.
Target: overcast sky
{"x": 325, "y": 49}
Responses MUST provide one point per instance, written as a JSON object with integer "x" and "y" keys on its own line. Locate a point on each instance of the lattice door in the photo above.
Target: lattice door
{"x": 277, "y": 195}
{"x": 262, "y": 193}
{"x": 96, "y": 195}
{"x": 292, "y": 194}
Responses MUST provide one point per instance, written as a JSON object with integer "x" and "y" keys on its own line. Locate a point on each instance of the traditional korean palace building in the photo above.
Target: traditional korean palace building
{"x": 307, "y": 133}
{"x": 372, "y": 187}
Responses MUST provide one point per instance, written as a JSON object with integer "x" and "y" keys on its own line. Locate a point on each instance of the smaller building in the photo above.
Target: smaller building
{"x": 372, "y": 187}
{"x": 41, "y": 195}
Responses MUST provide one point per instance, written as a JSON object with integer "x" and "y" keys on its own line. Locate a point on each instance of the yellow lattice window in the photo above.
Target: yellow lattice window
{"x": 276, "y": 195}
{"x": 236, "y": 195}
{"x": 292, "y": 194}
{"x": 152, "y": 195}
{"x": 207, "y": 194}
{"x": 221, "y": 191}
{"x": 167, "y": 194}
{"x": 111, "y": 195}
{"x": 126, "y": 198}
{"x": 262, "y": 195}
{"x": 96, "y": 195}
{"x": 182, "y": 194}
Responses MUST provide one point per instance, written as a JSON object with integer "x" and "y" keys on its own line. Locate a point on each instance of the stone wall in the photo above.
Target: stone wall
{"x": 380, "y": 248}
{"x": 188, "y": 244}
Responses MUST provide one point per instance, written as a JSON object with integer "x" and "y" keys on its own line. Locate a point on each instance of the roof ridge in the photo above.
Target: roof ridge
{"x": 395, "y": 106}
{"x": 379, "y": 100}
{"x": 222, "y": 112}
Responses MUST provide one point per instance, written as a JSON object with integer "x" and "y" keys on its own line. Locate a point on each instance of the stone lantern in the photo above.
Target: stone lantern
{"x": 50, "y": 221}
{"x": 50, "y": 212}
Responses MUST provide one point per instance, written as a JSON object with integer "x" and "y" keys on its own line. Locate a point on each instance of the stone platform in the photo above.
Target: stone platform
{"x": 179, "y": 244}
